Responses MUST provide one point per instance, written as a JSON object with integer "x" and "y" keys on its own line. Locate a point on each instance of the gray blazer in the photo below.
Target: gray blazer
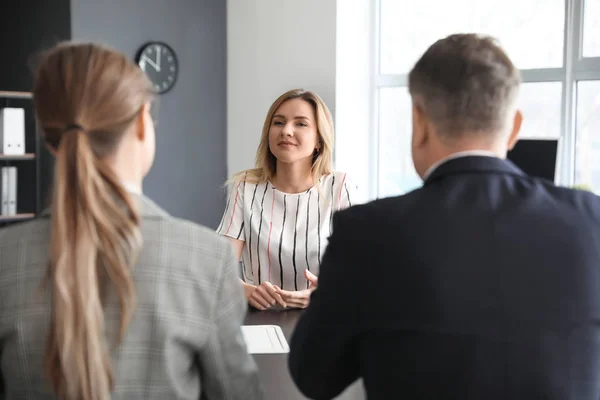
{"x": 184, "y": 341}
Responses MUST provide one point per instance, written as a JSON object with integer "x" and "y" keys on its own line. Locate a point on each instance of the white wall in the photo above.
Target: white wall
{"x": 355, "y": 148}
{"x": 274, "y": 46}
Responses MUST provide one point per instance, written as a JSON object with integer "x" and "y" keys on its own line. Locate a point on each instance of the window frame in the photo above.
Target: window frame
{"x": 575, "y": 68}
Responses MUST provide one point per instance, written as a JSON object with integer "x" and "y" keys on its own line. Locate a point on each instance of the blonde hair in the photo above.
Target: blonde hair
{"x": 86, "y": 97}
{"x": 266, "y": 163}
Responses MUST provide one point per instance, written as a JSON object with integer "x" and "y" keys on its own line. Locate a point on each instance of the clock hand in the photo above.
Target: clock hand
{"x": 157, "y": 57}
{"x": 145, "y": 59}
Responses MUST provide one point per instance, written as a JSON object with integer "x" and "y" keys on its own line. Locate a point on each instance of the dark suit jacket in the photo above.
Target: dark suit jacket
{"x": 482, "y": 284}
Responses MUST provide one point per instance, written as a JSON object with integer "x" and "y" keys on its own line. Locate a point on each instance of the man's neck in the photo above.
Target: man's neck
{"x": 460, "y": 154}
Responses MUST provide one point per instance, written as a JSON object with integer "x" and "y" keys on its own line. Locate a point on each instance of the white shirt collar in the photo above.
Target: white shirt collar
{"x": 132, "y": 188}
{"x": 458, "y": 154}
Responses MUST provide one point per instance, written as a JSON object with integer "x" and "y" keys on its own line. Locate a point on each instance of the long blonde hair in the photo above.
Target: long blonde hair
{"x": 86, "y": 97}
{"x": 266, "y": 163}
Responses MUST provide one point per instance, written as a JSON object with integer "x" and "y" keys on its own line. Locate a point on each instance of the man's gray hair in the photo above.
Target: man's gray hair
{"x": 465, "y": 83}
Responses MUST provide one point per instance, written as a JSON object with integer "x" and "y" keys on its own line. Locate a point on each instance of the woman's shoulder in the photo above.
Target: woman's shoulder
{"x": 334, "y": 178}
{"x": 246, "y": 179}
{"x": 340, "y": 187}
{"x": 254, "y": 176}
{"x": 16, "y": 236}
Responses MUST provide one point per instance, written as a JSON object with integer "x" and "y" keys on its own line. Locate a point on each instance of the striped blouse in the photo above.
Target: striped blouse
{"x": 284, "y": 233}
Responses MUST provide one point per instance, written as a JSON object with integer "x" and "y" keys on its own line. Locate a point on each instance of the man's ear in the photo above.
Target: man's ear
{"x": 421, "y": 127}
{"x": 516, "y": 128}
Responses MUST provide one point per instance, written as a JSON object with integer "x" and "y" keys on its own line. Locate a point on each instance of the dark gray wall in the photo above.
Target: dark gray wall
{"x": 190, "y": 165}
{"x": 27, "y": 27}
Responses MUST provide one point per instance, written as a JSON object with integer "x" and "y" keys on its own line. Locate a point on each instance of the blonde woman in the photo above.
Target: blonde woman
{"x": 106, "y": 296}
{"x": 278, "y": 215}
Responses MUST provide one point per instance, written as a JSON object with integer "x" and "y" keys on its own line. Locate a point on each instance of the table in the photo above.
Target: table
{"x": 273, "y": 369}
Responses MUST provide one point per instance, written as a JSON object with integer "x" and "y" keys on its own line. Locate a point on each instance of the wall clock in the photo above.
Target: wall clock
{"x": 159, "y": 62}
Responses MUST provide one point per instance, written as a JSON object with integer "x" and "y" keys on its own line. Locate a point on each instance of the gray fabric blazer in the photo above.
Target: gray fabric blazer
{"x": 184, "y": 341}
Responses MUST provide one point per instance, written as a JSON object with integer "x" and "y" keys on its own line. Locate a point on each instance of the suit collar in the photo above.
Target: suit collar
{"x": 471, "y": 164}
{"x": 458, "y": 154}
{"x": 146, "y": 207}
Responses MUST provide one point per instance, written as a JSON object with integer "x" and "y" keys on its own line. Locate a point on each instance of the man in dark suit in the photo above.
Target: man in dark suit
{"x": 482, "y": 284}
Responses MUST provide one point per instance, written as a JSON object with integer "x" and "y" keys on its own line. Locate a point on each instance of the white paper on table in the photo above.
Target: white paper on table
{"x": 265, "y": 339}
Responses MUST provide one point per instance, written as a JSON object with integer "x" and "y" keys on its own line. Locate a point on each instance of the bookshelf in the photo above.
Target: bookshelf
{"x": 15, "y": 95}
{"x": 28, "y": 164}
{"x": 16, "y": 217}
{"x": 28, "y": 156}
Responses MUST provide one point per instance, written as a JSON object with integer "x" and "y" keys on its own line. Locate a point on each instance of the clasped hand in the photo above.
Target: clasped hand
{"x": 267, "y": 295}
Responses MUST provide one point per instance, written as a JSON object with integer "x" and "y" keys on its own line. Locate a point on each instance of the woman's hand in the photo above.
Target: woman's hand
{"x": 263, "y": 296}
{"x": 300, "y": 298}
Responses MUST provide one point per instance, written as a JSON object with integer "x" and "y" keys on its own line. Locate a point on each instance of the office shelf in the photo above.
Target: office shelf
{"x": 15, "y": 95}
{"x": 27, "y": 156}
{"x": 29, "y": 170}
{"x": 16, "y": 217}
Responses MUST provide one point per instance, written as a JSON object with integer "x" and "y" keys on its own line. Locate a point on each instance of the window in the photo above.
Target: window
{"x": 533, "y": 35}
{"x": 591, "y": 28}
{"x": 540, "y": 104}
{"x": 587, "y": 160}
{"x": 397, "y": 173}
{"x": 555, "y": 43}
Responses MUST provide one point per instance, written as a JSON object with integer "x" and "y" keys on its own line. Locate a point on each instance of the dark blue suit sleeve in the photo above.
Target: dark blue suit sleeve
{"x": 2, "y": 389}
{"x": 323, "y": 358}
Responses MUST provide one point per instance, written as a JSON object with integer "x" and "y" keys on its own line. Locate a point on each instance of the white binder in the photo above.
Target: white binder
{"x": 12, "y": 131}
{"x": 12, "y": 190}
{"x": 4, "y": 190}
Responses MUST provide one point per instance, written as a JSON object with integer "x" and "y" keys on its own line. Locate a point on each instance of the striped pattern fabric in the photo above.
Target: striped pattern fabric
{"x": 184, "y": 341}
{"x": 284, "y": 233}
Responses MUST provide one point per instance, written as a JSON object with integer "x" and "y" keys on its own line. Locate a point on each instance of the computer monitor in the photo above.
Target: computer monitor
{"x": 536, "y": 157}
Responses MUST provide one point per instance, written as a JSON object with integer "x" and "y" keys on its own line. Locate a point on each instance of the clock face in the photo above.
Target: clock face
{"x": 160, "y": 64}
